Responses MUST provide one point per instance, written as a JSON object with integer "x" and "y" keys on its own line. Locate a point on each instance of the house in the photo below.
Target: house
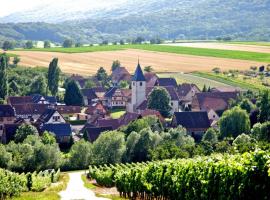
{"x": 196, "y": 123}
{"x": 7, "y": 116}
{"x": 94, "y": 132}
{"x": 99, "y": 91}
{"x": 9, "y": 130}
{"x": 151, "y": 79}
{"x": 62, "y": 131}
{"x": 164, "y": 82}
{"x": 50, "y": 116}
{"x": 30, "y": 111}
{"x": 117, "y": 98}
{"x": 186, "y": 93}
{"x": 79, "y": 79}
{"x": 14, "y": 100}
{"x": 68, "y": 110}
{"x": 96, "y": 109}
{"x": 89, "y": 96}
{"x": 39, "y": 99}
{"x": 218, "y": 101}
{"x": 120, "y": 74}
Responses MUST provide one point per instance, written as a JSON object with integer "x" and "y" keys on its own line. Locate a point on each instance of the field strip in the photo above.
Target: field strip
{"x": 88, "y": 63}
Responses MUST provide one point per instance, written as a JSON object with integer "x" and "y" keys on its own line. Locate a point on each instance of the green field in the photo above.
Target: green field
{"x": 251, "y": 43}
{"x": 242, "y": 55}
{"x": 236, "y": 82}
{"x": 117, "y": 113}
{"x": 190, "y": 78}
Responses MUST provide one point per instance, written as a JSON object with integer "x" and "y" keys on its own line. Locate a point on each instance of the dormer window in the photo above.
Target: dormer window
{"x": 56, "y": 118}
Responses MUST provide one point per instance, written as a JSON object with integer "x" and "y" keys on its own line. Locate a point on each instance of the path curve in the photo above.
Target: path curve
{"x": 76, "y": 190}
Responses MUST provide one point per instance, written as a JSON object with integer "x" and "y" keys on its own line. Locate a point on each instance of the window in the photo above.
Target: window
{"x": 133, "y": 83}
{"x": 171, "y": 103}
{"x": 140, "y": 83}
{"x": 1, "y": 127}
{"x": 56, "y": 118}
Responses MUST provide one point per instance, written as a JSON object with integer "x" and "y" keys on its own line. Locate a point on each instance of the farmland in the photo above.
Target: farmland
{"x": 87, "y": 63}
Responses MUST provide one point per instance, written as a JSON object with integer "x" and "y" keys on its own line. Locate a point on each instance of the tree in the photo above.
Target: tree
{"x": 122, "y": 42}
{"x": 247, "y": 105}
{"x": 115, "y": 64}
{"x": 210, "y": 136}
{"x": 261, "y": 131}
{"x": 5, "y": 157}
{"x": 3, "y": 77}
{"x": 109, "y": 148}
{"x": 47, "y": 44}
{"x": 13, "y": 88}
{"x": 244, "y": 143}
{"x": 204, "y": 88}
{"x": 89, "y": 84}
{"x": 67, "y": 43}
{"x": 53, "y": 76}
{"x": 132, "y": 140}
{"x": 264, "y": 106}
{"x": 73, "y": 95}
{"x": 159, "y": 100}
{"x": 138, "y": 40}
{"x": 216, "y": 70}
{"x": 148, "y": 69}
{"x": 234, "y": 122}
{"x": 123, "y": 84}
{"x": 78, "y": 44}
{"x": 23, "y": 131}
{"x": 48, "y": 138}
{"x": 101, "y": 74}
{"x": 7, "y": 45}
{"x": 81, "y": 155}
{"x": 29, "y": 44}
{"x": 38, "y": 86}
{"x": 16, "y": 60}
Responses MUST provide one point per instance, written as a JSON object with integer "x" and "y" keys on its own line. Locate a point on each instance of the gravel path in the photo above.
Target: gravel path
{"x": 76, "y": 190}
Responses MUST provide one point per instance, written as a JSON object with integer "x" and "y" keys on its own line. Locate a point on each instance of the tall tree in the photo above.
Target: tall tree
{"x": 47, "y": 44}
{"x": 8, "y": 45}
{"x": 148, "y": 69}
{"x": 73, "y": 95}
{"x": 159, "y": 100}
{"x": 115, "y": 64}
{"x": 3, "y": 77}
{"x": 29, "y": 44}
{"x": 53, "y": 76}
{"x": 264, "y": 106}
{"x": 234, "y": 122}
{"x": 67, "y": 43}
{"x": 38, "y": 86}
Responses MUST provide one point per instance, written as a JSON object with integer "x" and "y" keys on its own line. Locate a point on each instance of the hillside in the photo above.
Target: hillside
{"x": 182, "y": 19}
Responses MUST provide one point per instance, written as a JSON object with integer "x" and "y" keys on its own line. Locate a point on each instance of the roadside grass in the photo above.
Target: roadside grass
{"x": 233, "y": 81}
{"x": 117, "y": 113}
{"x": 232, "y": 54}
{"x": 190, "y": 78}
{"x": 91, "y": 186}
{"x": 49, "y": 193}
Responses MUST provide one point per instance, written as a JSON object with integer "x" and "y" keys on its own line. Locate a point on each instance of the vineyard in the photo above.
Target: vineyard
{"x": 12, "y": 184}
{"x": 218, "y": 176}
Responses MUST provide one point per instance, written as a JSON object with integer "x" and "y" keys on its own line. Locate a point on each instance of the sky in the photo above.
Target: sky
{"x": 8, "y": 7}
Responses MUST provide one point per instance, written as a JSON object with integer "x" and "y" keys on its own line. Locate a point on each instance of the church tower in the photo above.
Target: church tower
{"x": 138, "y": 86}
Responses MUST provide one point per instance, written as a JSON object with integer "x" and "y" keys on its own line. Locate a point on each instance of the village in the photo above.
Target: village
{"x": 191, "y": 108}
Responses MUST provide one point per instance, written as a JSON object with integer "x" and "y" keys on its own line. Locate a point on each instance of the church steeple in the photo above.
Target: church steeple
{"x": 138, "y": 75}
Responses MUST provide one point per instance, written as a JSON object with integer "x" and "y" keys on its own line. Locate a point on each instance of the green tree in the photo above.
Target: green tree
{"x": 148, "y": 69}
{"x": 29, "y": 44}
{"x": 132, "y": 140}
{"x": 204, "y": 88}
{"x": 89, "y": 84}
{"x": 47, "y": 44}
{"x": 23, "y": 131}
{"x": 102, "y": 74}
{"x": 81, "y": 155}
{"x": 115, "y": 64}
{"x": 159, "y": 100}
{"x": 122, "y": 42}
{"x": 7, "y": 45}
{"x": 210, "y": 136}
{"x": 38, "y": 86}
{"x": 261, "y": 131}
{"x": 16, "y": 60}
{"x": 247, "y": 105}
{"x": 78, "y": 44}
{"x": 264, "y": 106}
{"x": 13, "y": 88}
{"x": 124, "y": 84}
{"x": 48, "y": 138}
{"x": 244, "y": 143}
{"x": 234, "y": 122}
{"x": 53, "y": 76}
{"x": 5, "y": 157}
{"x": 67, "y": 43}
{"x": 3, "y": 77}
{"x": 109, "y": 148}
{"x": 73, "y": 95}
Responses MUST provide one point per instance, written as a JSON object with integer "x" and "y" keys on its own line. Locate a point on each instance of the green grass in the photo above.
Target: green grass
{"x": 250, "y": 43}
{"x": 236, "y": 82}
{"x": 190, "y": 78}
{"x": 87, "y": 183}
{"x": 242, "y": 55}
{"x": 50, "y": 193}
{"x": 117, "y": 113}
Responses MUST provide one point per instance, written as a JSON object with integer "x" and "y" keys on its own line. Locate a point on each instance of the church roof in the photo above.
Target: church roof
{"x": 138, "y": 76}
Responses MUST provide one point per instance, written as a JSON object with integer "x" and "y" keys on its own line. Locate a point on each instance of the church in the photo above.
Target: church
{"x": 138, "y": 88}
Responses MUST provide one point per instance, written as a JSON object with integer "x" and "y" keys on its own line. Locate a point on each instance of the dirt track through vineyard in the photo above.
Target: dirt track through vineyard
{"x": 88, "y": 63}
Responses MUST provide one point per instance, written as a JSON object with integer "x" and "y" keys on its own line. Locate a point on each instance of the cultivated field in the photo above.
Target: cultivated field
{"x": 88, "y": 63}
{"x": 252, "y": 47}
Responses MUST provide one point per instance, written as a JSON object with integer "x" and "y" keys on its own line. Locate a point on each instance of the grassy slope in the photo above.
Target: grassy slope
{"x": 230, "y": 81}
{"x": 50, "y": 193}
{"x": 242, "y": 55}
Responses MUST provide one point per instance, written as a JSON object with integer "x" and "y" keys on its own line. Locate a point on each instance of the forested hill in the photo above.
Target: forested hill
{"x": 181, "y": 19}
